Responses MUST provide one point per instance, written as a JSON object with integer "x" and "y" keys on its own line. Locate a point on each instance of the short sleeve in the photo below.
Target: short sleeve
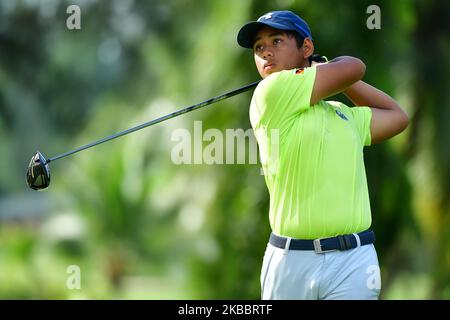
{"x": 362, "y": 117}
{"x": 284, "y": 94}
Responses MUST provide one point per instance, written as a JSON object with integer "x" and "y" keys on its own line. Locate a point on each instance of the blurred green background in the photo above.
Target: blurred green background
{"x": 139, "y": 226}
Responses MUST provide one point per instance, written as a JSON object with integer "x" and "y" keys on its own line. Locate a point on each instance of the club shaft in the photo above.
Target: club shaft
{"x": 158, "y": 120}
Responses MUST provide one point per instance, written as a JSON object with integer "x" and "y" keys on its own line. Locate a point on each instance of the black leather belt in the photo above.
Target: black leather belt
{"x": 344, "y": 242}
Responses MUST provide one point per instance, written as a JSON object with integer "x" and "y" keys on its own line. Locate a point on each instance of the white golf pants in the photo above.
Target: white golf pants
{"x": 306, "y": 275}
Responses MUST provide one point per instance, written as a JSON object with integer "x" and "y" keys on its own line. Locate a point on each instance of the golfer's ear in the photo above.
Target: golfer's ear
{"x": 308, "y": 48}
{"x": 334, "y": 77}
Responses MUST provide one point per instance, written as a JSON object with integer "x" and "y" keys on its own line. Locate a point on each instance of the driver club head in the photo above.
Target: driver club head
{"x": 38, "y": 172}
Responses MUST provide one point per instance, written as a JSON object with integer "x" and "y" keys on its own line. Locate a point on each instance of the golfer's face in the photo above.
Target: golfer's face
{"x": 275, "y": 51}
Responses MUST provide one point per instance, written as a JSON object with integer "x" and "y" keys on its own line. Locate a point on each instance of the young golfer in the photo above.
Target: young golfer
{"x": 321, "y": 246}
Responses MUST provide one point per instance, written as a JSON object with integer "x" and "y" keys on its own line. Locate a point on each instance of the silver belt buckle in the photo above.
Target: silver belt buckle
{"x": 318, "y": 246}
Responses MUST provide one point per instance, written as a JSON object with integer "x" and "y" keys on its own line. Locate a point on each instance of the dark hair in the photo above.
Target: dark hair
{"x": 299, "y": 39}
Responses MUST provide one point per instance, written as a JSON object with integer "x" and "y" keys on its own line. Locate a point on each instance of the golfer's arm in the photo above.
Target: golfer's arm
{"x": 336, "y": 76}
{"x": 388, "y": 119}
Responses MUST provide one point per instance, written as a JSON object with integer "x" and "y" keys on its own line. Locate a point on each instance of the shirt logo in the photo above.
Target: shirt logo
{"x": 340, "y": 114}
{"x": 266, "y": 16}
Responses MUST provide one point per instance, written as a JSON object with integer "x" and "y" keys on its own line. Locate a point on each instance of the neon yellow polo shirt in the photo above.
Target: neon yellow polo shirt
{"x": 312, "y": 157}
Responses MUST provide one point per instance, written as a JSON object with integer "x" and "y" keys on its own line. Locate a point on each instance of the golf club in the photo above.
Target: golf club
{"x": 38, "y": 172}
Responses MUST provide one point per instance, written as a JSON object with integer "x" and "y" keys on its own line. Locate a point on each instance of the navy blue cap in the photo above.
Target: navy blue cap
{"x": 283, "y": 20}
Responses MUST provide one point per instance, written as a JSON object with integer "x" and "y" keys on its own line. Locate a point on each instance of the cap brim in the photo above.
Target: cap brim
{"x": 248, "y": 32}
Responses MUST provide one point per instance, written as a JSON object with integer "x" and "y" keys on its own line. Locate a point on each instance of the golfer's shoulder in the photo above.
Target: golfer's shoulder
{"x": 281, "y": 82}
{"x": 296, "y": 74}
{"x": 273, "y": 79}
